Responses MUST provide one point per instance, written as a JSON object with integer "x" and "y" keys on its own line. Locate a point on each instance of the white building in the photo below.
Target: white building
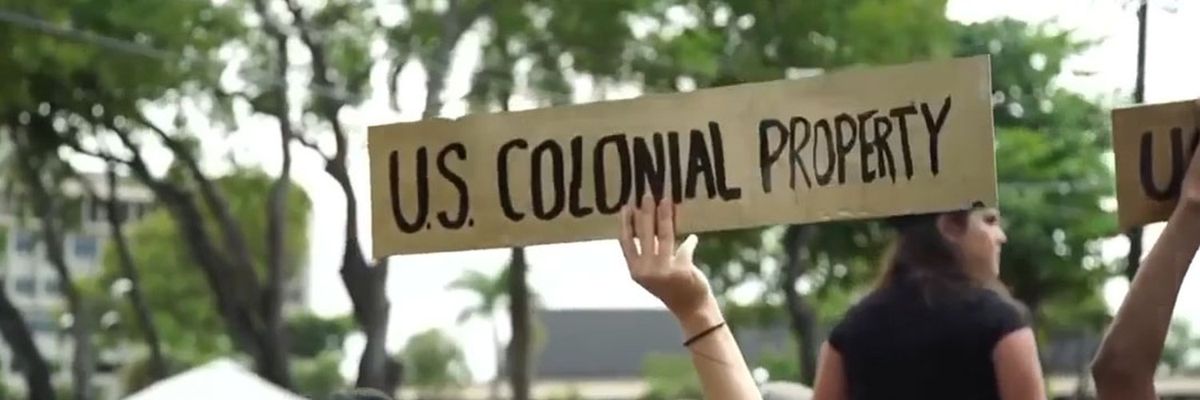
{"x": 33, "y": 284}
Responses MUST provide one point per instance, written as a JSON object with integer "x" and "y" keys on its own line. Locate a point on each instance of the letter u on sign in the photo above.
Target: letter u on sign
{"x": 859, "y": 143}
{"x": 1152, "y": 145}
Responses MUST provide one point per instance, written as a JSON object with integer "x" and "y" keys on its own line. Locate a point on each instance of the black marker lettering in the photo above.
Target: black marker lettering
{"x": 865, "y": 147}
{"x": 577, "y": 209}
{"x": 649, "y": 170}
{"x": 422, "y": 191}
{"x": 676, "y": 167}
{"x": 502, "y": 175}
{"x": 622, "y": 146}
{"x": 797, "y": 147}
{"x": 766, "y": 156}
{"x": 843, "y": 148}
{"x": 1146, "y": 164}
{"x": 699, "y": 164}
{"x": 464, "y": 198}
{"x": 727, "y": 192}
{"x": 935, "y": 128}
{"x": 902, "y": 113}
{"x": 556, "y": 169}
{"x": 887, "y": 164}
{"x": 823, "y": 178}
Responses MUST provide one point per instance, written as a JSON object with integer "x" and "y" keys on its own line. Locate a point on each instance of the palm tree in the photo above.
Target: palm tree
{"x": 494, "y": 297}
{"x": 492, "y": 292}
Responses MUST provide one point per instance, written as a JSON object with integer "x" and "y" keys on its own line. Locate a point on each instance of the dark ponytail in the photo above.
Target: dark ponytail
{"x": 921, "y": 255}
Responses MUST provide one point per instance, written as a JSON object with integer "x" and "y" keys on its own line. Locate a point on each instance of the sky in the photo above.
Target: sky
{"x": 592, "y": 274}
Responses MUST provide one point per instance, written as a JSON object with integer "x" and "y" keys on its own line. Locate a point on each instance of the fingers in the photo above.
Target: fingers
{"x": 687, "y": 248}
{"x": 626, "y": 238}
{"x": 666, "y": 228}
{"x": 644, "y": 225}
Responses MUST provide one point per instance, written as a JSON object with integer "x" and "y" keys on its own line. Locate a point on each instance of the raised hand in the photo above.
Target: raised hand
{"x": 667, "y": 272}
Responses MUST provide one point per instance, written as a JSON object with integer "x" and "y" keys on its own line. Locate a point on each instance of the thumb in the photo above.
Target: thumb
{"x": 687, "y": 248}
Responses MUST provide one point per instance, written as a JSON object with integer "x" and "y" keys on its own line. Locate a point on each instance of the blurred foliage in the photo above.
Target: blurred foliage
{"x": 1051, "y": 143}
{"x": 319, "y": 377}
{"x": 1181, "y": 352}
{"x": 136, "y": 375}
{"x": 781, "y": 364}
{"x": 669, "y": 377}
{"x": 434, "y": 363}
{"x": 1050, "y": 157}
{"x": 183, "y": 307}
{"x": 173, "y": 43}
{"x": 311, "y": 336}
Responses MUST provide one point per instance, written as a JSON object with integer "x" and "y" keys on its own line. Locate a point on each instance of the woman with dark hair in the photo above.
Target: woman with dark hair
{"x": 939, "y": 324}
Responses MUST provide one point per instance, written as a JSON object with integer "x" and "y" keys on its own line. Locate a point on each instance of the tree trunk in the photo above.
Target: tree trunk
{"x": 158, "y": 364}
{"x": 519, "y": 365}
{"x": 455, "y": 22}
{"x": 48, "y": 209}
{"x": 277, "y": 224}
{"x": 801, "y": 314}
{"x": 366, "y": 283}
{"x": 20, "y": 340}
{"x": 233, "y": 281}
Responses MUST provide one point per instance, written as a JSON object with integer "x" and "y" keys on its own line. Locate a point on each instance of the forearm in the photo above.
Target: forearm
{"x": 1133, "y": 346}
{"x": 718, "y": 360}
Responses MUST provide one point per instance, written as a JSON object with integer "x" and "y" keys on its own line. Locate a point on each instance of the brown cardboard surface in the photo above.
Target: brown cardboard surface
{"x": 712, "y": 144}
{"x": 1152, "y": 145}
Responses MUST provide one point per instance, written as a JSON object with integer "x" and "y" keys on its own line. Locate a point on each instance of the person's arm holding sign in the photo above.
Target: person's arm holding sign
{"x": 1128, "y": 356}
{"x": 666, "y": 271}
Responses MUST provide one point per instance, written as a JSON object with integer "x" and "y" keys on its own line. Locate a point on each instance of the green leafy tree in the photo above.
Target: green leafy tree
{"x": 1050, "y": 151}
{"x": 336, "y": 35}
{"x": 310, "y": 335}
{"x": 434, "y": 364}
{"x": 92, "y": 77}
{"x": 319, "y": 377}
{"x": 182, "y": 304}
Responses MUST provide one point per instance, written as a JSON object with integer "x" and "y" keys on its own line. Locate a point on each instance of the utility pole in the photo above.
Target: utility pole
{"x": 1134, "y": 258}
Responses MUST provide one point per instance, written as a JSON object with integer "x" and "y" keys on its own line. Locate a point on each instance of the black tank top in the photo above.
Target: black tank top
{"x": 906, "y": 341}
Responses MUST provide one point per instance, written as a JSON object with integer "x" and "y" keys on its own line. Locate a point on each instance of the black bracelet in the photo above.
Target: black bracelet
{"x": 701, "y": 335}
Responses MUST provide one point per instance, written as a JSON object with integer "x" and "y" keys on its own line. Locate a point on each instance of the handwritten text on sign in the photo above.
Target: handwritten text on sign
{"x": 1152, "y": 145}
{"x": 854, "y": 144}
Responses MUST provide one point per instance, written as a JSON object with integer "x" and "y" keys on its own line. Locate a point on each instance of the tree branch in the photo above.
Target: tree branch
{"x": 75, "y": 146}
{"x": 158, "y": 364}
{"x": 235, "y": 240}
{"x": 366, "y": 285}
{"x": 309, "y": 143}
{"x": 212, "y": 262}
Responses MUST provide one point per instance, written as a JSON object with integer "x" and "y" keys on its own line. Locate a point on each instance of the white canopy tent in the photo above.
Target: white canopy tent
{"x": 219, "y": 379}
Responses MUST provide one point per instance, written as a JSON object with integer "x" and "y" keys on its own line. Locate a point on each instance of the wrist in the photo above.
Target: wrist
{"x": 1185, "y": 212}
{"x": 700, "y": 318}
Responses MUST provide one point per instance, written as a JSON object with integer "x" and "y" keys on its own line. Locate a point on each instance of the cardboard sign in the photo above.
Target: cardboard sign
{"x": 855, "y": 144}
{"x": 1153, "y": 145}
